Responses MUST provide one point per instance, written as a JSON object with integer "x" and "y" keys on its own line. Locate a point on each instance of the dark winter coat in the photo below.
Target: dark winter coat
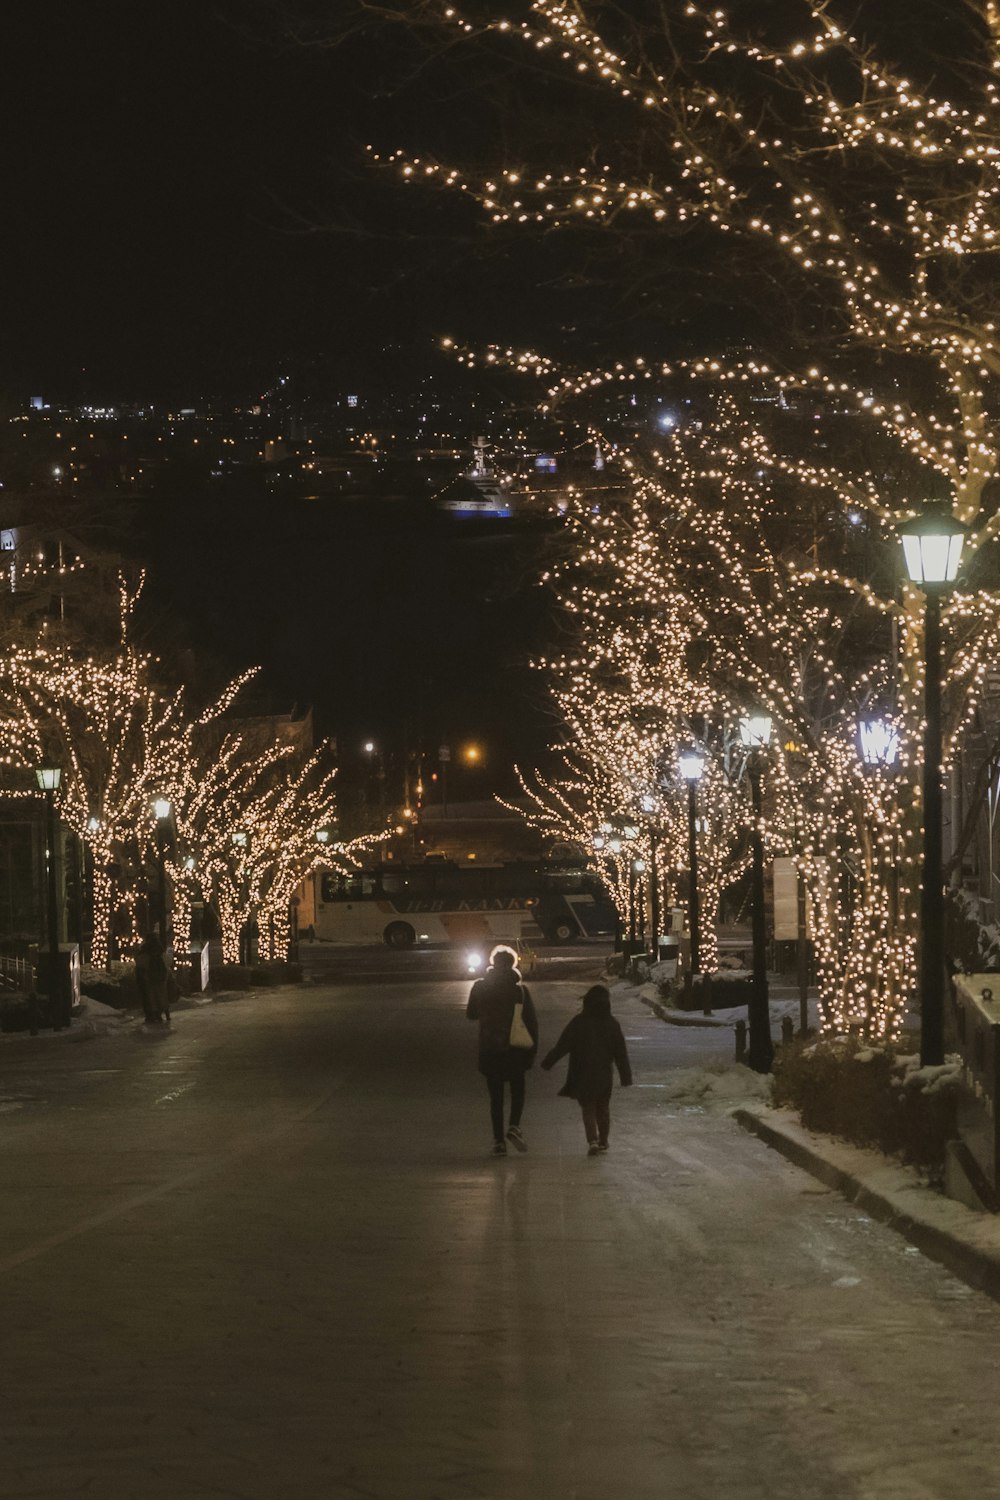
{"x": 491, "y": 1003}
{"x": 594, "y": 1042}
{"x": 152, "y": 979}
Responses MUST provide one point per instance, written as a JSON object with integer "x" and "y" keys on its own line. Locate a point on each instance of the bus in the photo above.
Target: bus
{"x": 442, "y": 902}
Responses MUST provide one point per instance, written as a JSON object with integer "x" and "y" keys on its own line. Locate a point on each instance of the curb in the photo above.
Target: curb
{"x": 975, "y": 1264}
{"x": 671, "y": 1018}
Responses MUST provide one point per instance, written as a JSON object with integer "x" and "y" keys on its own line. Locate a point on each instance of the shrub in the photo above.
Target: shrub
{"x": 113, "y": 986}
{"x": 870, "y": 1096}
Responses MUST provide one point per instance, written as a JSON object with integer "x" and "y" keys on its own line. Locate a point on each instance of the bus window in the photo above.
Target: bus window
{"x": 337, "y": 887}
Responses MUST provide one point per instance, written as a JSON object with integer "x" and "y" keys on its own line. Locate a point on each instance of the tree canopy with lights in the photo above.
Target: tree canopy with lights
{"x": 838, "y": 176}
{"x": 125, "y": 743}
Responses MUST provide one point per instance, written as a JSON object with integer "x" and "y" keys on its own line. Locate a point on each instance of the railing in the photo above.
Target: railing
{"x": 16, "y": 974}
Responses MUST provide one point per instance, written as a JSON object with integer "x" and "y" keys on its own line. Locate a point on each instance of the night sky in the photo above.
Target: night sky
{"x": 152, "y": 158}
{"x": 188, "y": 205}
{"x": 188, "y": 212}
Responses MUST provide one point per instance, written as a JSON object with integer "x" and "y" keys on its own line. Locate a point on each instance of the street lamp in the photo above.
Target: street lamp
{"x": 692, "y": 764}
{"x": 48, "y": 778}
{"x": 755, "y": 733}
{"x": 932, "y": 547}
{"x": 879, "y": 742}
{"x": 162, "y": 808}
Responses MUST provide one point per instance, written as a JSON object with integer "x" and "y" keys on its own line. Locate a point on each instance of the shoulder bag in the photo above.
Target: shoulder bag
{"x": 520, "y": 1036}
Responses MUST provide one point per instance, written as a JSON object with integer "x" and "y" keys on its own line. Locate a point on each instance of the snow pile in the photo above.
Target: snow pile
{"x": 723, "y": 1087}
{"x": 929, "y": 1080}
{"x": 97, "y": 1010}
{"x": 659, "y": 973}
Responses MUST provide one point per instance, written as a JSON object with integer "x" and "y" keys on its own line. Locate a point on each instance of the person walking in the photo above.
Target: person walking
{"x": 595, "y": 1044}
{"x": 498, "y": 1001}
{"x": 152, "y": 978}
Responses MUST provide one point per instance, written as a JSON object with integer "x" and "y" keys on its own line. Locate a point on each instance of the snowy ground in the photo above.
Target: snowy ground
{"x": 708, "y": 1078}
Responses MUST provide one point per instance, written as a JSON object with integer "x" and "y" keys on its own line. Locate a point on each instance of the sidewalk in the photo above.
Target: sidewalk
{"x": 96, "y": 1019}
{"x": 966, "y": 1242}
{"x": 957, "y": 1237}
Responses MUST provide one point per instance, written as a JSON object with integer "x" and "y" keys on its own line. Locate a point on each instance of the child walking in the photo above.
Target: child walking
{"x": 594, "y": 1042}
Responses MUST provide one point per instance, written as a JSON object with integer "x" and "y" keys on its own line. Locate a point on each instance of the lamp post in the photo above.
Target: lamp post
{"x": 444, "y": 757}
{"x": 627, "y": 835}
{"x": 878, "y": 740}
{"x": 692, "y": 764}
{"x": 755, "y": 733}
{"x": 162, "y": 808}
{"x": 48, "y": 778}
{"x": 249, "y": 933}
{"x": 639, "y": 866}
{"x": 293, "y": 929}
{"x": 649, "y": 806}
{"x": 932, "y": 547}
{"x": 614, "y": 846}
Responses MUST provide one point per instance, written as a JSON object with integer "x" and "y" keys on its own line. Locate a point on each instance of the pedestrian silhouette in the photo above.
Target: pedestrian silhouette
{"x": 498, "y": 1001}
{"x": 594, "y": 1042}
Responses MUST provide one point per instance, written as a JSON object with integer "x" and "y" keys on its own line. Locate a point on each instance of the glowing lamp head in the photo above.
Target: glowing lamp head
{"x": 475, "y": 962}
{"x": 322, "y": 835}
{"x": 598, "y": 841}
{"x": 932, "y": 547}
{"x": 615, "y": 845}
{"x": 239, "y": 838}
{"x": 639, "y": 866}
{"x": 369, "y": 747}
{"x": 692, "y": 764}
{"x": 755, "y": 731}
{"x": 161, "y": 808}
{"x": 48, "y": 778}
{"x": 879, "y": 742}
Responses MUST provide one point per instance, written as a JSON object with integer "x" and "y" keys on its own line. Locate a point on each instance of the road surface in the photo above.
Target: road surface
{"x": 268, "y": 1256}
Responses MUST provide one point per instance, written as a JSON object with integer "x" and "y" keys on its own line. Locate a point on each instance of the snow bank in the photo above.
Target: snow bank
{"x": 722, "y": 1087}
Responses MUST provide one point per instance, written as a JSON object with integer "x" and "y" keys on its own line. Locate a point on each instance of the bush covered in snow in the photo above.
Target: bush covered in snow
{"x": 114, "y": 985}
{"x": 871, "y": 1096}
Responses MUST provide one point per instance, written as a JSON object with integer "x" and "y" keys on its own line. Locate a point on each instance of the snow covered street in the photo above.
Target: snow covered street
{"x": 268, "y": 1256}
